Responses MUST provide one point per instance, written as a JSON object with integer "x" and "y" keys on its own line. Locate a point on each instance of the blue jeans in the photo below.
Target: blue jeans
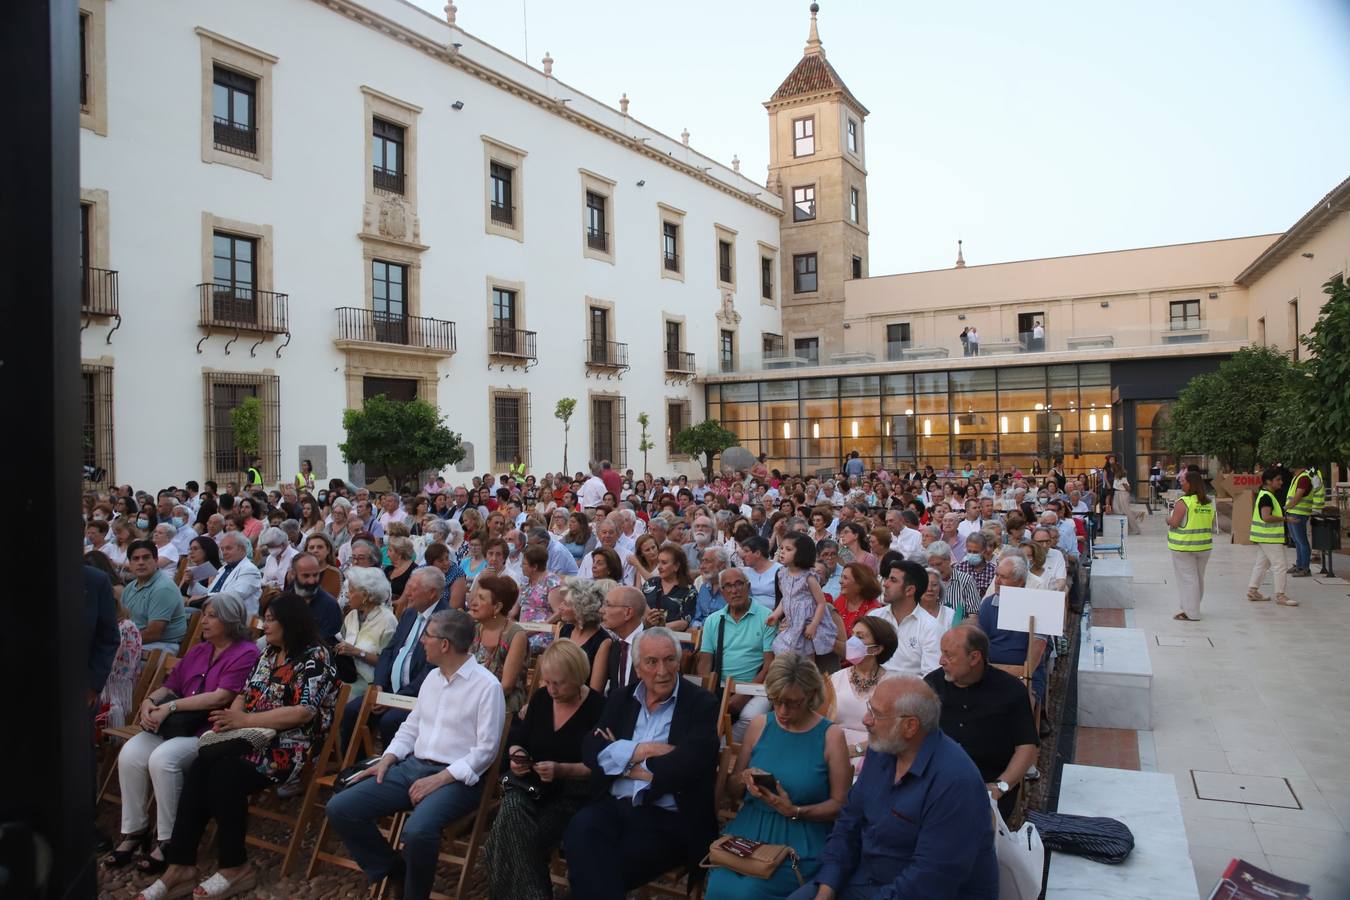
{"x": 356, "y": 812}
{"x": 1298, "y": 530}
{"x": 854, "y": 890}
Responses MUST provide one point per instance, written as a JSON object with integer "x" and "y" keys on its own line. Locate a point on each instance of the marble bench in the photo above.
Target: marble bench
{"x": 1119, "y": 694}
{"x": 1159, "y": 867}
{"x": 1112, "y": 583}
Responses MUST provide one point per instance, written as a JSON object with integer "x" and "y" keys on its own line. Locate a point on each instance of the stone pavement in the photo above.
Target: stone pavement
{"x": 1255, "y": 690}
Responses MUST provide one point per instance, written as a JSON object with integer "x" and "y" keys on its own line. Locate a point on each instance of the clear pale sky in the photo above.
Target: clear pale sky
{"x": 1028, "y": 129}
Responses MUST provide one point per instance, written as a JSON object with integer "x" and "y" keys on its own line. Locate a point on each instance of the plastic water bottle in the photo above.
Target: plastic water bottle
{"x": 1098, "y": 655}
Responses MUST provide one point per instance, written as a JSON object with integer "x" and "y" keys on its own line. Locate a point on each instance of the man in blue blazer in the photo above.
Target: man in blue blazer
{"x": 403, "y": 663}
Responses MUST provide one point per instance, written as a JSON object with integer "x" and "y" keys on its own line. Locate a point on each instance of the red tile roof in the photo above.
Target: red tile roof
{"x": 813, "y": 75}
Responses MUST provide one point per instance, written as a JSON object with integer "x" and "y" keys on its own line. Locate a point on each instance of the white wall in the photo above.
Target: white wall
{"x": 158, "y": 187}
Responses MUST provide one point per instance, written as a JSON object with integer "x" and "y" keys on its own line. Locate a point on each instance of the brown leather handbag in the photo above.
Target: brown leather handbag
{"x": 746, "y": 857}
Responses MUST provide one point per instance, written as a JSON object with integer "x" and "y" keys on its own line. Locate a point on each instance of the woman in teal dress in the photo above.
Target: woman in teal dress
{"x": 808, "y": 756}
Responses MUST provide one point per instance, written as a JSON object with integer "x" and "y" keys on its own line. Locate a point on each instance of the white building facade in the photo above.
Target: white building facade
{"x": 315, "y": 202}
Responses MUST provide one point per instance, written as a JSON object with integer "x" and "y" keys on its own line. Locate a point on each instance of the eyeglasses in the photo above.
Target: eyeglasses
{"x": 871, "y": 711}
{"x": 727, "y": 585}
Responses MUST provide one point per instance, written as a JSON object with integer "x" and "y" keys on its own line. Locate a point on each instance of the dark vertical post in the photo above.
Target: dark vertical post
{"x": 45, "y": 749}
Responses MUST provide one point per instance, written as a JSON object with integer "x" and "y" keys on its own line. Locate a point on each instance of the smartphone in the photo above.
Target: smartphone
{"x": 765, "y": 781}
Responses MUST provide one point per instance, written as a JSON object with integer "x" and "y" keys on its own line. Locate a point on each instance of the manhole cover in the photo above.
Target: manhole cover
{"x": 1177, "y": 640}
{"x": 1256, "y": 790}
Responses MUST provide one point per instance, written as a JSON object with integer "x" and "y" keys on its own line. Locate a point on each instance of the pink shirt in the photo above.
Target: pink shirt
{"x": 196, "y": 674}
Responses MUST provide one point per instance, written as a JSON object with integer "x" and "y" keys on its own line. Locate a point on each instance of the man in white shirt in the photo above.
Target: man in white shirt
{"x": 514, "y": 568}
{"x": 1056, "y": 575}
{"x": 393, "y": 510}
{"x": 971, "y": 523}
{"x": 919, "y": 633}
{"x": 182, "y": 520}
{"x": 621, "y": 615}
{"x": 626, "y": 521}
{"x": 609, "y": 537}
{"x": 433, "y": 766}
{"x": 905, "y": 536}
{"x": 592, "y": 490}
{"x": 237, "y": 572}
{"x": 278, "y": 559}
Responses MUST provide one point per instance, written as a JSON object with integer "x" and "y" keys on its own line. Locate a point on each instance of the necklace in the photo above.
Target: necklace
{"x": 865, "y": 683}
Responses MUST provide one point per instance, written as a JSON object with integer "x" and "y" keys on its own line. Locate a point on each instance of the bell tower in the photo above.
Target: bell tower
{"x": 817, "y": 165}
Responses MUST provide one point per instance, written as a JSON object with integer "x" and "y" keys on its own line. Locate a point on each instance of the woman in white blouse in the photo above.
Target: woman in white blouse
{"x": 853, "y": 686}
{"x": 168, "y": 553}
{"x": 370, "y": 623}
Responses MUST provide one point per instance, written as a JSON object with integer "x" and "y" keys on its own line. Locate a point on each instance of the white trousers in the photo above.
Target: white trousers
{"x": 1271, "y": 557}
{"x": 755, "y": 706}
{"x": 1190, "y": 569}
{"x": 148, "y": 759}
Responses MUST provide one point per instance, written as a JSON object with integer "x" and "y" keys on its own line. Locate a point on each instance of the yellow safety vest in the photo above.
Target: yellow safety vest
{"x": 1304, "y": 507}
{"x": 254, "y": 476}
{"x": 1198, "y": 532}
{"x": 1319, "y": 495}
{"x": 1266, "y": 532}
{"x": 517, "y": 471}
{"x": 300, "y": 480}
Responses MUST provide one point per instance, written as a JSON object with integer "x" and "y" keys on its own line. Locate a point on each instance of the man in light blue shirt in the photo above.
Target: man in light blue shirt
{"x": 560, "y": 560}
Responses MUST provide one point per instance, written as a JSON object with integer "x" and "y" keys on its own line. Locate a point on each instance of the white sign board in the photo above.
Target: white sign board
{"x": 1017, "y": 605}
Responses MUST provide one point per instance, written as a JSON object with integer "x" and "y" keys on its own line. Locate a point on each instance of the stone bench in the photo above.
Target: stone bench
{"x": 1120, "y": 693}
{"x": 1112, "y": 583}
{"x": 1159, "y": 867}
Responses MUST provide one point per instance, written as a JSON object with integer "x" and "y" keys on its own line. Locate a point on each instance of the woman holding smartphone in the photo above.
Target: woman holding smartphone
{"x": 794, "y": 774}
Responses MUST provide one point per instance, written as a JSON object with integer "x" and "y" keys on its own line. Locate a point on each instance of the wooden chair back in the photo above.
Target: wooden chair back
{"x": 193, "y": 633}
{"x": 327, "y": 780}
{"x": 731, "y": 688}
{"x": 331, "y": 581}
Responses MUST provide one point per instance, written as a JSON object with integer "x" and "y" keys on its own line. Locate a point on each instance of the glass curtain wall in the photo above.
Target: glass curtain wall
{"x": 997, "y": 418}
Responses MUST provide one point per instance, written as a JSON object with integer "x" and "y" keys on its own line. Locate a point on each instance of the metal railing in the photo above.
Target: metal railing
{"x": 607, "y": 354}
{"x": 99, "y": 296}
{"x": 597, "y": 240}
{"x": 244, "y": 308}
{"x": 672, "y": 262}
{"x": 388, "y": 181}
{"x": 511, "y": 342}
{"x": 503, "y": 215}
{"x": 390, "y": 328}
{"x": 235, "y": 138}
{"x": 679, "y": 361}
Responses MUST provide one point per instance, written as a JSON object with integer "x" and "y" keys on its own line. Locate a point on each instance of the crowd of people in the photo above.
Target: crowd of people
{"x": 549, "y": 619}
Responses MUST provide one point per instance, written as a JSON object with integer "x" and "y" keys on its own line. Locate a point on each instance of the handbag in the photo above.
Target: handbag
{"x": 1021, "y": 859}
{"x": 753, "y": 858}
{"x": 344, "y": 778}
{"x": 529, "y": 785}
{"x": 346, "y": 669}
{"x": 238, "y": 742}
{"x": 1098, "y": 838}
{"x": 183, "y": 724}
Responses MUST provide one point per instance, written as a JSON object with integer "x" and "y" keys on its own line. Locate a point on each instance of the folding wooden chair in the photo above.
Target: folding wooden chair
{"x": 467, "y": 834}
{"x": 327, "y": 781}
{"x": 730, "y": 689}
{"x": 154, "y": 670}
{"x": 689, "y": 881}
{"x": 193, "y": 633}
{"x": 299, "y": 821}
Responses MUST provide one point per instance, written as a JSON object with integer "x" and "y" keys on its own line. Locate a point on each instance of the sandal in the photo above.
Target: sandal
{"x": 119, "y": 858}
{"x": 1282, "y": 600}
{"x": 153, "y": 865}
{"x": 218, "y": 887}
{"x": 158, "y": 890}
{"x": 1182, "y": 617}
{"x": 1255, "y": 596}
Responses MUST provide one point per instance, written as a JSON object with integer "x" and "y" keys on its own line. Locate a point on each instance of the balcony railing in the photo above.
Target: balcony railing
{"x": 597, "y": 240}
{"x": 378, "y": 327}
{"x": 233, "y": 137}
{"x": 99, "y": 297}
{"x": 606, "y": 354}
{"x": 679, "y": 361}
{"x": 503, "y": 215}
{"x": 724, "y": 273}
{"x": 388, "y": 181}
{"x": 672, "y": 262}
{"x": 243, "y": 308}
{"x": 513, "y": 342}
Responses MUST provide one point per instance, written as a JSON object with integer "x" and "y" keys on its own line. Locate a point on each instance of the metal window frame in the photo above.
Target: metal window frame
{"x": 522, "y": 423}
{"x": 97, "y": 432}
{"x": 268, "y": 390}
{"x": 797, "y": 214}
{"x": 798, "y": 272}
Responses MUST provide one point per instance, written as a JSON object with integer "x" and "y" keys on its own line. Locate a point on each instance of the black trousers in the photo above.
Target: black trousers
{"x": 215, "y": 789}
{"x": 385, "y": 724}
{"x": 613, "y": 846}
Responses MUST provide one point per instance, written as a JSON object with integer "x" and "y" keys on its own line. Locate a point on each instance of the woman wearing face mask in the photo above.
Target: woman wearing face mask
{"x": 147, "y": 518}
{"x": 871, "y": 645}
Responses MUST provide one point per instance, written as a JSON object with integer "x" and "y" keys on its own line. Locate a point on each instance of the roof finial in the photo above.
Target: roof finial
{"x": 813, "y": 45}
{"x": 960, "y": 256}
{"x": 548, "y": 65}
{"x": 684, "y": 137}
{"x": 736, "y": 164}
{"x": 623, "y": 103}
{"x": 450, "y": 11}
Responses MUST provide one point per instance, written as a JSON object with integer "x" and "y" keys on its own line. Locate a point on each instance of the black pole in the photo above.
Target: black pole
{"x": 44, "y": 656}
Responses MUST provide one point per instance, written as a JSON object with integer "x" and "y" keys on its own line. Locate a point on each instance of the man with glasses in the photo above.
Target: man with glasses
{"x": 737, "y": 642}
{"x": 1010, "y": 647}
{"x": 1056, "y": 575}
{"x": 653, "y": 769}
{"x": 433, "y": 766}
{"x": 922, "y": 805}
{"x": 622, "y": 614}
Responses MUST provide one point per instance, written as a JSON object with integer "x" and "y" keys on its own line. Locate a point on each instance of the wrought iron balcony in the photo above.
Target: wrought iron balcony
{"x": 672, "y": 262}
{"x": 240, "y": 308}
{"x": 511, "y": 342}
{"x": 609, "y": 356}
{"x": 597, "y": 240}
{"x": 99, "y": 297}
{"x": 233, "y": 137}
{"x": 503, "y": 215}
{"x": 680, "y": 361}
{"x": 413, "y": 332}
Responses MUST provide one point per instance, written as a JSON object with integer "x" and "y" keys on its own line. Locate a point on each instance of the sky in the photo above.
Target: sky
{"x": 1025, "y": 129}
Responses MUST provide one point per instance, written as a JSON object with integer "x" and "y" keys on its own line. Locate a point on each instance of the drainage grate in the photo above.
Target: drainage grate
{"x": 1176, "y": 640}
{"x": 1253, "y": 790}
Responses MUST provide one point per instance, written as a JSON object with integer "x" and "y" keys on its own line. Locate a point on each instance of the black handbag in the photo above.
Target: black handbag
{"x": 344, "y": 778}
{"x": 236, "y": 742}
{"x": 1097, "y": 838}
{"x": 529, "y": 785}
{"x": 183, "y": 724}
{"x": 346, "y": 669}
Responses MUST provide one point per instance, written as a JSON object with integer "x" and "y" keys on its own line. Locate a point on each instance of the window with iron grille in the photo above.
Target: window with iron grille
{"x": 1184, "y": 315}
{"x": 804, "y": 136}
{"x": 510, "y": 428}
{"x": 597, "y": 236}
{"x": 803, "y": 203}
{"x": 608, "y": 429}
{"x": 96, "y": 426}
{"x": 224, "y": 392}
{"x": 677, "y": 420}
{"x": 234, "y": 102}
{"x": 726, "y": 350}
{"x": 234, "y": 274}
{"x": 771, "y": 345}
{"x": 599, "y": 328}
{"x": 766, "y": 277}
{"x": 803, "y": 273}
{"x": 387, "y": 141}
{"x": 725, "y": 272}
{"x": 503, "y": 212}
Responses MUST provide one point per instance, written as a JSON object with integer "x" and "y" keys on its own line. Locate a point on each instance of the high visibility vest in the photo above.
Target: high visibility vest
{"x": 254, "y": 476}
{"x": 1198, "y": 532}
{"x": 1266, "y": 532}
{"x": 300, "y": 480}
{"x": 517, "y": 471}
{"x": 1319, "y": 495}
{"x": 1307, "y": 506}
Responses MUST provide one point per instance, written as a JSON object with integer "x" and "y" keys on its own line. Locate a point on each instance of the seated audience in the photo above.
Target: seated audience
{"x": 917, "y": 821}
{"x": 578, "y": 604}
{"x": 871, "y": 645}
{"x": 622, "y": 615}
{"x": 858, "y": 593}
{"x": 653, "y": 762}
{"x": 207, "y": 678}
{"x": 321, "y": 548}
{"x": 545, "y": 757}
{"x": 533, "y": 605}
{"x": 238, "y": 573}
{"x": 904, "y": 582}
{"x": 1011, "y": 647}
{"x": 152, "y": 600}
{"x": 117, "y": 697}
{"x": 669, "y": 593}
{"x": 931, "y": 602}
{"x": 291, "y": 689}
{"x": 1056, "y": 574}
{"x": 306, "y": 584}
{"x": 167, "y": 551}
{"x": 277, "y": 561}
{"x": 987, "y": 712}
{"x": 433, "y": 766}
{"x": 959, "y": 590}
{"x": 201, "y": 550}
{"x": 976, "y": 562}
{"x": 708, "y": 597}
{"x": 368, "y": 627}
{"x": 499, "y": 644}
{"x": 401, "y": 566}
{"x": 737, "y": 642}
{"x": 806, "y": 757}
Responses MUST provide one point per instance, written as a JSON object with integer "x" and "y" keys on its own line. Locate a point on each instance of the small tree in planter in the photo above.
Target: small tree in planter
{"x": 563, "y": 412}
{"x": 246, "y": 423}
{"x": 399, "y": 439}
{"x": 645, "y": 443}
{"x": 706, "y": 439}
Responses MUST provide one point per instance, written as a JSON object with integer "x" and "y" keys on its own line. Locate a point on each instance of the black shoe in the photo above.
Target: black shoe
{"x": 120, "y": 856}
{"x": 151, "y": 865}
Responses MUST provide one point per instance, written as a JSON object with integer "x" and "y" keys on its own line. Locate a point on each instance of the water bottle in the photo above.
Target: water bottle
{"x": 1098, "y": 655}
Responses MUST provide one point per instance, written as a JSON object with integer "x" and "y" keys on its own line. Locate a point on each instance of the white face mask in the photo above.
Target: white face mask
{"x": 855, "y": 651}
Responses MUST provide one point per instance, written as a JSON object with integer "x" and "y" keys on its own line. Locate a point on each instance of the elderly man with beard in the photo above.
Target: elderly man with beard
{"x": 921, "y": 804}
{"x": 306, "y": 572}
{"x": 700, "y": 539}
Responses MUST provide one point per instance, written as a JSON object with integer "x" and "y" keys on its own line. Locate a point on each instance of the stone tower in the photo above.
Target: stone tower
{"x": 817, "y": 165}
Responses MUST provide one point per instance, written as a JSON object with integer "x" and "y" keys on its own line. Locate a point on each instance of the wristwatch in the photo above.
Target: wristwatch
{"x": 173, "y": 708}
{"x": 1003, "y": 787}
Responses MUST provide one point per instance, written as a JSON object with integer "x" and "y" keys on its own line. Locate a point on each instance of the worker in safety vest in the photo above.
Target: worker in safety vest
{"x": 1298, "y": 506}
{"x": 255, "y": 473}
{"x": 1190, "y": 537}
{"x": 304, "y": 479}
{"x": 1268, "y": 536}
{"x": 517, "y": 469}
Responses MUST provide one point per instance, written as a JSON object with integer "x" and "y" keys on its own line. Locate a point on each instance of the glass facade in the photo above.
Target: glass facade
{"x": 1016, "y": 416}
